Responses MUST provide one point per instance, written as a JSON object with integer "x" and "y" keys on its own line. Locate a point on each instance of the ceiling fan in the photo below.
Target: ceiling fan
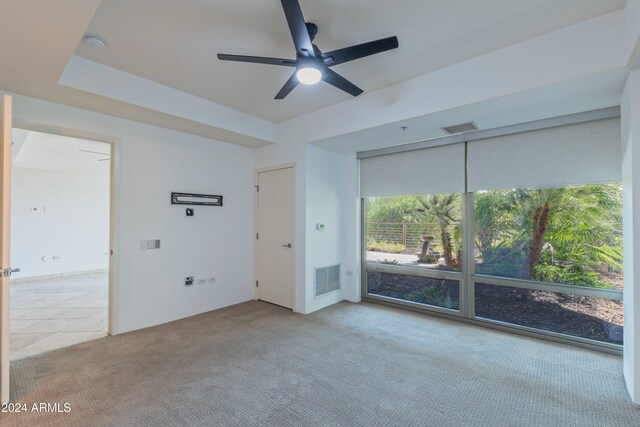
{"x": 311, "y": 64}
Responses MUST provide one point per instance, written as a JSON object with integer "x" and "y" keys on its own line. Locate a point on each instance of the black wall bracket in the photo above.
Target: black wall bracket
{"x": 195, "y": 199}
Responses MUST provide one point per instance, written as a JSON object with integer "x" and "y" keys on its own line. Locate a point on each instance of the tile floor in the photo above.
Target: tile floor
{"x": 53, "y": 313}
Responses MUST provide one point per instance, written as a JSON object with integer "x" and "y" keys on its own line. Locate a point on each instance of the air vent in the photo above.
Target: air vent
{"x": 327, "y": 279}
{"x": 461, "y": 128}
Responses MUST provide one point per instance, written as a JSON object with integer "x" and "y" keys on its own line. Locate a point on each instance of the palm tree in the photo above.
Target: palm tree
{"x": 537, "y": 210}
{"x": 445, "y": 209}
{"x": 582, "y": 218}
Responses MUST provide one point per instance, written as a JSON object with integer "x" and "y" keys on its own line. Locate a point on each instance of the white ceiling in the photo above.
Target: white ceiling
{"x": 175, "y": 43}
{"x": 50, "y": 152}
{"x": 587, "y": 93}
{"x": 37, "y": 40}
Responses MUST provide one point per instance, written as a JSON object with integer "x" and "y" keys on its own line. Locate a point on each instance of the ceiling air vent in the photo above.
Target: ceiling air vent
{"x": 461, "y": 128}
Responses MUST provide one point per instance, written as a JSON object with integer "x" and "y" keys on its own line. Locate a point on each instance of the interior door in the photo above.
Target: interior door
{"x": 5, "y": 211}
{"x": 275, "y": 237}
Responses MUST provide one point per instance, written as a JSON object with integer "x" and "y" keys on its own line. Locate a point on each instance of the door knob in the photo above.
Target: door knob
{"x": 288, "y": 245}
{"x": 15, "y": 270}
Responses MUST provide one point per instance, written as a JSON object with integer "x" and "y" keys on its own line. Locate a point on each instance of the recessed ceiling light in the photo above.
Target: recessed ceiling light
{"x": 309, "y": 75}
{"x": 94, "y": 41}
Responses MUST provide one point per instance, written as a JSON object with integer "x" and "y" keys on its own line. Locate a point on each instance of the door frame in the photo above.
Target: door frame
{"x": 114, "y": 197}
{"x": 281, "y": 166}
{"x": 6, "y": 122}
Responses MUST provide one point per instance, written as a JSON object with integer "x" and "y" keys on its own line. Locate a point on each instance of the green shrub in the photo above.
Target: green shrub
{"x": 507, "y": 262}
{"x": 501, "y": 261}
{"x": 387, "y": 247}
{"x": 571, "y": 274}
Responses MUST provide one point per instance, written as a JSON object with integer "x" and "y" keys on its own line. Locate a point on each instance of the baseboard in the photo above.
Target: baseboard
{"x": 58, "y": 275}
{"x": 326, "y": 300}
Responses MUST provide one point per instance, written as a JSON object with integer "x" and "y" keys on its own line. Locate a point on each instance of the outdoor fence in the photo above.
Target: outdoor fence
{"x": 407, "y": 234}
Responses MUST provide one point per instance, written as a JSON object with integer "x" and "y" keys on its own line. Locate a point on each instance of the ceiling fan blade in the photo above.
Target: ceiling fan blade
{"x": 351, "y": 53}
{"x": 288, "y": 87}
{"x": 93, "y": 152}
{"x": 258, "y": 60}
{"x": 340, "y": 82}
{"x": 298, "y": 28}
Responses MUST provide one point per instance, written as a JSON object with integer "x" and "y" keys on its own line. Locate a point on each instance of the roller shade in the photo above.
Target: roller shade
{"x": 427, "y": 171}
{"x": 577, "y": 154}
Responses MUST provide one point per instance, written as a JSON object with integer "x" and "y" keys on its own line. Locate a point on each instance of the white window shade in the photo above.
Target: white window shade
{"x": 433, "y": 170}
{"x": 577, "y": 154}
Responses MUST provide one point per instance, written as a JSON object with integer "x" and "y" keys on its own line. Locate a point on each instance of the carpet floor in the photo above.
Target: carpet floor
{"x": 349, "y": 364}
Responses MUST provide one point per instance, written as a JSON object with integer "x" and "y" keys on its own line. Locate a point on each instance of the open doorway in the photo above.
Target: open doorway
{"x": 60, "y": 241}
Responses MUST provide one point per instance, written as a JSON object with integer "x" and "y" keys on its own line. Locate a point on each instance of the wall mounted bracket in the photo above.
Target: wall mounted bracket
{"x": 195, "y": 199}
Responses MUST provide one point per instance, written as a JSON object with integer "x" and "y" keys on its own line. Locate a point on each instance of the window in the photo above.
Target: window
{"x": 568, "y": 235}
{"x": 411, "y": 243}
{"x": 516, "y": 228}
{"x": 416, "y": 231}
{"x": 437, "y": 292}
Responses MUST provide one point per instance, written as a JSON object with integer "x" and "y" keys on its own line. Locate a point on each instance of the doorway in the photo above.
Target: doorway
{"x": 60, "y": 241}
{"x": 275, "y": 237}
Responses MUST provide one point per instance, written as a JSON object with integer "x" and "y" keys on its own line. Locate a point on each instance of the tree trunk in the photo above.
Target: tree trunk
{"x": 446, "y": 248}
{"x": 541, "y": 220}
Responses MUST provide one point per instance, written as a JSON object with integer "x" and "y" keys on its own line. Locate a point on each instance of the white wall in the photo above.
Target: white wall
{"x": 351, "y": 226}
{"x": 151, "y": 162}
{"x": 69, "y": 229}
{"x": 325, "y": 189}
{"x": 630, "y": 110}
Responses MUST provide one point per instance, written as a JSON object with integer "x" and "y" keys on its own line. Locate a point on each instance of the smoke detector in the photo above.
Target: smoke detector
{"x": 461, "y": 128}
{"x": 94, "y": 41}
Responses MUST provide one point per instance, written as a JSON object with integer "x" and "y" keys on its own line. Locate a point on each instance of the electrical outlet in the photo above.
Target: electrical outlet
{"x": 188, "y": 281}
{"x": 349, "y": 273}
{"x": 149, "y": 244}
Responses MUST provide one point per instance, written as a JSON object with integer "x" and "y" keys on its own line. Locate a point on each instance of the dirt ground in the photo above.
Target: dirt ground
{"x": 586, "y": 317}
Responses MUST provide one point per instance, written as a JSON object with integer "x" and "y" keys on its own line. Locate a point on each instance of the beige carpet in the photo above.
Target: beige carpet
{"x": 356, "y": 365}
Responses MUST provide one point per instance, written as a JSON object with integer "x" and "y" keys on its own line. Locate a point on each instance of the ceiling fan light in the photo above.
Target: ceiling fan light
{"x": 309, "y": 75}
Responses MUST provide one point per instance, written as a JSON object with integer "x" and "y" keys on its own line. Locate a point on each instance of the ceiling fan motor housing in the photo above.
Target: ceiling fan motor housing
{"x": 312, "y": 29}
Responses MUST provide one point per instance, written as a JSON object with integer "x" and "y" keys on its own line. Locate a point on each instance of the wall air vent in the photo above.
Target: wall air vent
{"x": 461, "y": 128}
{"x": 327, "y": 279}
